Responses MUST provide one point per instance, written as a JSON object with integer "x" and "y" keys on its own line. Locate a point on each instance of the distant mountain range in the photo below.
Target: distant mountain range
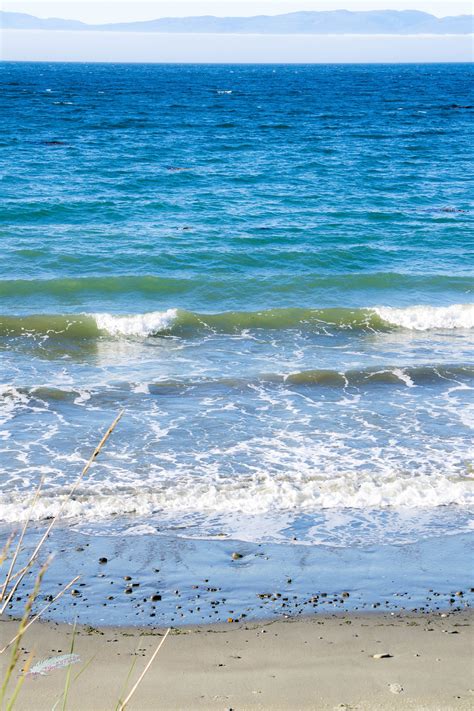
{"x": 333, "y": 22}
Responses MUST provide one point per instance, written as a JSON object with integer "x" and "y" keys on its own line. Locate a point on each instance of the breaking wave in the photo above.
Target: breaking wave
{"x": 179, "y": 322}
{"x": 262, "y": 493}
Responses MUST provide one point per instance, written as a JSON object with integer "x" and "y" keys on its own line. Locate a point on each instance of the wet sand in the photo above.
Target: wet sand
{"x": 162, "y": 581}
{"x": 318, "y": 662}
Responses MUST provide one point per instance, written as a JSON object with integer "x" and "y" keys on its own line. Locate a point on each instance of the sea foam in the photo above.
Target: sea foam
{"x": 424, "y": 318}
{"x": 138, "y": 325}
{"x": 262, "y": 495}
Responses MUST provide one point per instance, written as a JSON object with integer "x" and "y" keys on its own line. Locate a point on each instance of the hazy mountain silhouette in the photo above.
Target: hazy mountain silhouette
{"x": 332, "y": 22}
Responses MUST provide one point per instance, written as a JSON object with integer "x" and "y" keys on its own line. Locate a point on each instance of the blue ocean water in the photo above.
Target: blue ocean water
{"x": 270, "y": 268}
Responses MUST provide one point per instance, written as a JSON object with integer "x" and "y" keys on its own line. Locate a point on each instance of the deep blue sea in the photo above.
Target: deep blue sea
{"x": 270, "y": 268}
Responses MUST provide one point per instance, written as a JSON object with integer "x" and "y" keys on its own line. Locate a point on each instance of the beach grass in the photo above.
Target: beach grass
{"x": 15, "y": 573}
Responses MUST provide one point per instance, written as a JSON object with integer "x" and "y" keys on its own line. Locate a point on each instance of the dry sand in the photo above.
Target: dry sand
{"x": 312, "y": 663}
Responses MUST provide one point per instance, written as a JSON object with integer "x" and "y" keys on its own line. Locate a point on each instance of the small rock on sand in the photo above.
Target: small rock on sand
{"x": 382, "y": 655}
{"x": 395, "y": 688}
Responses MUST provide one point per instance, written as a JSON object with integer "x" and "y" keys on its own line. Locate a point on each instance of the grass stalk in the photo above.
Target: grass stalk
{"x": 20, "y": 682}
{"x": 15, "y": 655}
{"x": 81, "y": 476}
{"x": 125, "y": 683}
{"x": 7, "y": 590}
{"x": 124, "y": 703}
{"x": 33, "y": 619}
{"x": 6, "y": 548}
{"x": 11, "y": 568}
{"x": 68, "y": 675}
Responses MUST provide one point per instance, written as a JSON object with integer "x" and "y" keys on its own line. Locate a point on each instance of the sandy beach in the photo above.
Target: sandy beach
{"x": 317, "y": 662}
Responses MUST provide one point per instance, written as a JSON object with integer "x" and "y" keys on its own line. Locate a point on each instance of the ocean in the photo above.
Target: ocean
{"x": 270, "y": 269}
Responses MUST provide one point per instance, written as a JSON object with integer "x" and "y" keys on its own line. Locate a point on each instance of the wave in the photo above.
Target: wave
{"x": 179, "y": 322}
{"x": 146, "y": 324}
{"x": 149, "y": 285}
{"x": 261, "y": 493}
{"x": 424, "y": 318}
{"x": 15, "y": 398}
{"x": 410, "y": 376}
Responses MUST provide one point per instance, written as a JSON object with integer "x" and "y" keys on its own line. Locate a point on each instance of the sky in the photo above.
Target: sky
{"x": 102, "y": 46}
{"x": 97, "y": 11}
{"x": 146, "y": 47}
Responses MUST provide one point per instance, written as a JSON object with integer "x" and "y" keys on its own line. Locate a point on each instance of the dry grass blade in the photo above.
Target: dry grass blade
{"x": 124, "y": 703}
{"x": 6, "y": 548}
{"x": 68, "y": 675}
{"x": 15, "y": 655}
{"x": 20, "y": 681}
{"x": 23, "y": 628}
{"x": 17, "y": 551}
{"x": 21, "y": 573}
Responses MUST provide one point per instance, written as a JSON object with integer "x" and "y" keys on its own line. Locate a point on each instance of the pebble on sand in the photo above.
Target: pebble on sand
{"x": 382, "y": 655}
{"x": 395, "y": 688}
{"x": 236, "y": 556}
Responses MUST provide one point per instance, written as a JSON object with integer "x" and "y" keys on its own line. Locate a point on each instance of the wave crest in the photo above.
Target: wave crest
{"x": 145, "y": 324}
{"x": 425, "y": 318}
{"x": 257, "y": 495}
{"x": 178, "y": 322}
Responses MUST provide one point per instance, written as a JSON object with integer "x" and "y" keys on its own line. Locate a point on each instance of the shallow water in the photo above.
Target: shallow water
{"x": 270, "y": 269}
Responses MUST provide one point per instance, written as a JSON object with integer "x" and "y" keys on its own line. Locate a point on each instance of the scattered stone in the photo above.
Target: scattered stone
{"x": 236, "y": 556}
{"x": 382, "y": 655}
{"x": 395, "y": 688}
{"x": 127, "y": 577}
{"x": 128, "y": 591}
{"x": 75, "y": 592}
{"x": 345, "y": 594}
{"x": 102, "y": 561}
{"x": 155, "y": 598}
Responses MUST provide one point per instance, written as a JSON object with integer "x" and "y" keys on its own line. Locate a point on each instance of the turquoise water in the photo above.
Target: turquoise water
{"x": 270, "y": 268}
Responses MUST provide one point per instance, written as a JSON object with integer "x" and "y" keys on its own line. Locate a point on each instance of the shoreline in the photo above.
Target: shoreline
{"x": 323, "y": 662}
{"x": 160, "y": 581}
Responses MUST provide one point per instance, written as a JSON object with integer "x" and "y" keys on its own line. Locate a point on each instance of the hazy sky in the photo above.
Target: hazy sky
{"x": 53, "y": 46}
{"x": 126, "y": 10}
{"x": 132, "y": 47}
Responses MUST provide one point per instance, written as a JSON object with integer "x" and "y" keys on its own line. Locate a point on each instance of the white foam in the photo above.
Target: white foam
{"x": 259, "y": 494}
{"x": 137, "y": 325}
{"x": 424, "y": 318}
{"x": 10, "y": 400}
{"x": 404, "y": 377}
